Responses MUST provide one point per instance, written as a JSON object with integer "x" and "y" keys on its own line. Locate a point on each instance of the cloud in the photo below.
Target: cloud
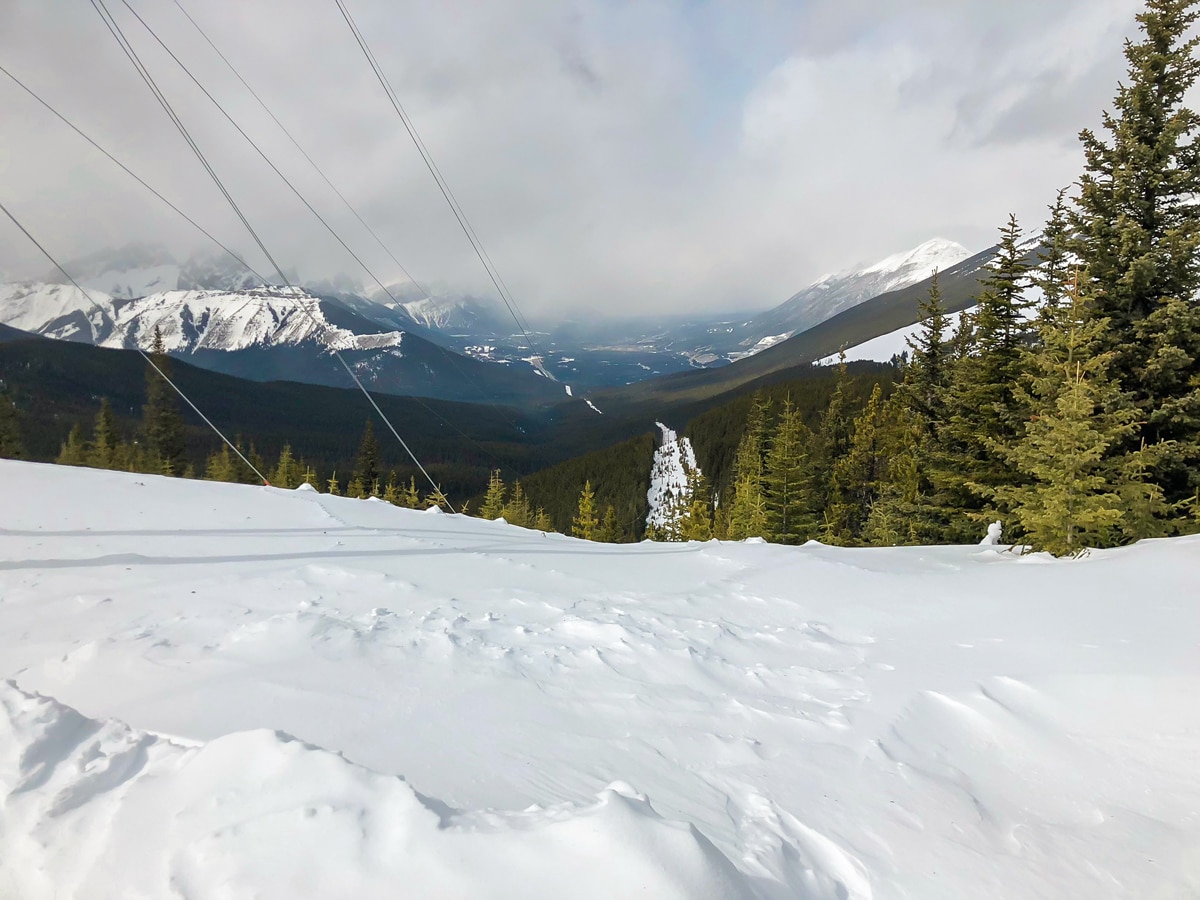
{"x": 613, "y": 155}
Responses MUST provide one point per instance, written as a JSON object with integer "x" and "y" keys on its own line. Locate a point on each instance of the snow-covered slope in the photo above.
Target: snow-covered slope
{"x": 189, "y": 321}
{"x": 136, "y": 270}
{"x": 836, "y": 293}
{"x": 809, "y": 722}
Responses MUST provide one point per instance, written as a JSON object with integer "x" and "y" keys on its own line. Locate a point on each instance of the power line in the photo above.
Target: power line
{"x": 115, "y": 30}
{"x": 219, "y": 244}
{"x": 130, "y": 172}
{"x": 450, "y": 356}
{"x": 443, "y": 186}
{"x": 142, "y": 353}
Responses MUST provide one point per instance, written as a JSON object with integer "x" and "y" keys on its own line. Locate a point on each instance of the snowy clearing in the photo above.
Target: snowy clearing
{"x": 227, "y": 691}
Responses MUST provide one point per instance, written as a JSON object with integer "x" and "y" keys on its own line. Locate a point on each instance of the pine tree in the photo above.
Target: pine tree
{"x": 437, "y": 498}
{"x": 1138, "y": 239}
{"x": 982, "y": 410}
{"x": 11, "y": 446}
{"x": 542, "y": 522}
{"x": 366, "y": 469}
{"x": 610, "y": 531}
{"x": 162, "y": 425}
{"x": 787, "y": 479}
{"x": 493, "y": 501}
{"x": 74, "y": 451}
{"x": 332, "y": 487}
{"x": 856, "y": 476}
{"x": 696, "y": 522}
{"x": 102, "y": 447}
{"x": 928, "y": 372}
{"x": 220, "y": 466}
{"x": 747, "y": 505}
{"x": 391, "y": 492}
{"x": 287, "y": 470}
{"x": 1052, "y": 271}
{"x": 1078, "y": 489}
{"x": 517, "y": 511}
{"x": 585, "y": 525}
{"x": 411, "y": 499}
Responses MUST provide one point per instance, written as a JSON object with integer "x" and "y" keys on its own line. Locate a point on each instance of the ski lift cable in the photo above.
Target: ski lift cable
{"x": 218, "y": 243}
{"x": 149, "y": 359}
{"x": 450, "y": 356}
{"x": 442, "y": 184}
{"x": 115, "y": 29}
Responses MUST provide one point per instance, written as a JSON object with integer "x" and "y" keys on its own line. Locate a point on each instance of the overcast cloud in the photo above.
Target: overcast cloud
{"x": 612, "y": 155}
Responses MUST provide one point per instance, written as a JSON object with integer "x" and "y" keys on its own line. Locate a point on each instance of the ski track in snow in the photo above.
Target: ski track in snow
{"x": 216, "y": 689}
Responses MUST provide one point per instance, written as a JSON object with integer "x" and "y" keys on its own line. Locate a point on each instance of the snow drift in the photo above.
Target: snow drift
{"x": 216, "y": 690}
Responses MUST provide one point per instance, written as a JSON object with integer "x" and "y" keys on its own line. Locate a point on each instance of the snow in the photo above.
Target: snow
{"x": 673, "y": 459}
{"x": 188, "y": 320}
{"x": 764, "y": 344}
{"x": 593, "y": 407}
{"x": 226, "y": 691}
{"x": 884, "y": 347}
{"x": 568, "y": 387}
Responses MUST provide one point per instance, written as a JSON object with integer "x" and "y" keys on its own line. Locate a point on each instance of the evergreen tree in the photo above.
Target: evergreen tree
{"x": 220, "y": 466}
{"x": 102, "y": 448}
{"x": 585, "y": 525}
{"x": 332, "y": 487}
{"x": 516, "y": 511}
{"x": 856, "y": 476}
{"x": 356, "y": 489}
{"x": 610, "y": 531}
{"x": 391, "y": 493}
{"x": 437, "y": 498}
{"x": 1137, "y": 230}
{"x": 696, "y": 522}
{"x": 366, "y": 469}
{"x": 493, "y": 501}
{"x": 162, "y": 425}
{"x": 11, "y": 446}
{"x": 787, "y": 479}
{"x": 1051, "y": 273}
{"x": 287, "y": 470}
{"x": 747, "y": 505}
{"x": 541, "y": 521}
{"x": 1078, "y": 490}
{"x": 928, "y": 372}
{"x": 411, "y": 499}
{"x": 982, "y": 410}
{"x": 74, "y": 451}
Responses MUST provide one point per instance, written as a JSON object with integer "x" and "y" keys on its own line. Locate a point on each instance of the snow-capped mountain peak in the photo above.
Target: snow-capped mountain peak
{"x": 189, "y": 321}
{"x": 833, "y": 294}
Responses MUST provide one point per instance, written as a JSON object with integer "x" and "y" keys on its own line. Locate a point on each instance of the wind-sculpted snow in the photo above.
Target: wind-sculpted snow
{"x": 804, "y": 722}
{"x": 189, "y": 321}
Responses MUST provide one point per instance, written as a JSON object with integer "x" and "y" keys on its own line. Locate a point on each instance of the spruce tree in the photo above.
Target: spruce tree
{"x": 542, "y": 521}
{"x": 366, "y": 469}
{"x": 747, "y": 504}
{"x": 982, "y": 410}
{"x": 493, "y": 501}
{"x": 610, "y": 531}
{"x": 787, "y": 479}
{"x": 437, "y": 498}
{"x": 332, "y": 486}
{"x": 696, "y": 521}
{"x": 11, "y": 446}
{"x": 517, "y": 511}
{"x": 1054, "y": 259}
{"x": 287, "y": 470}
{"x": 927, "y": 374}
{"x": 855, "y": 476}
{"x": 585, "y": 524}
{"x": 391, "y": 492}
{"x": 162, "y": 424}
{"x": 102, "y": 448}
{"x": 220, "y": 466}
{"x": 411, "y": 499}
{"x": 74, "y": 451}
{"x": 1078, "y": 489}
{"x": 1137, "y": 229}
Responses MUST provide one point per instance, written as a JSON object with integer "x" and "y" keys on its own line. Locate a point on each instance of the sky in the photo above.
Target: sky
{"x": 614, "y": 156}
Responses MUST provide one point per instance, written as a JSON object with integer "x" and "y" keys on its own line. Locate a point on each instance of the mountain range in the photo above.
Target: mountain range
{"x": 214, "y": 312}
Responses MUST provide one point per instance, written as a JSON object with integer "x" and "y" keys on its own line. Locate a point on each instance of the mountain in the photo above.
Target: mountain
{"x": 138, "y": 269}
{"x": 788, "y": 358}
{"x": 266, "y": 333}
{"x": 834, "y": 294}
